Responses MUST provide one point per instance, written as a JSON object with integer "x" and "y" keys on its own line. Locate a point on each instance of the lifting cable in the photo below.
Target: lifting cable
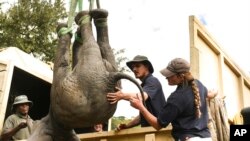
{"x": 72, "y": 9}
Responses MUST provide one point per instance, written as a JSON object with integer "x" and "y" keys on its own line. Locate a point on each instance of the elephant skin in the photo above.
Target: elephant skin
{"x": 78, "y": 92}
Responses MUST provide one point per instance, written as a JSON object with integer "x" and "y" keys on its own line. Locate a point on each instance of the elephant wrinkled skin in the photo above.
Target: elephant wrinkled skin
{"x": 78, "y": 92}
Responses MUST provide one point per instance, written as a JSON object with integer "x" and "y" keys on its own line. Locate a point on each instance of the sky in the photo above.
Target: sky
{"x": 159, "y": 30}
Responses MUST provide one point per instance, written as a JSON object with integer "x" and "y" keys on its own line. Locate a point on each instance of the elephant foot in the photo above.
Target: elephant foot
{"x": 62, "y": 29}
{"x": 82, "y": 18}
{"x": 100, "y": 17}
{"x": 99, "y": 13}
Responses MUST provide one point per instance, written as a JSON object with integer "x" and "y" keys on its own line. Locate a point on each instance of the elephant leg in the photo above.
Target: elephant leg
{"x": 89, "y": 49}
{"x": 62, "y": 56}
{"x": 76, "y": 45}
{"x": 48, "y": 129}
{"x": 60, "y": 132}
{"x": 73, "y": 137}
{"x": 42, "y": 131}
{"x": 100, "y": 20}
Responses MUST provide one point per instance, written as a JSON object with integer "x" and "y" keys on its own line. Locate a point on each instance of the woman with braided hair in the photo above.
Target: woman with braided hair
{"x": 186, "y": 107}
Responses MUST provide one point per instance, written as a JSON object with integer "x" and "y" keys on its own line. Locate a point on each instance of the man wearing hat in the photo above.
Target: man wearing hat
{"x": 153, "y": 93}
{"x": 18, "y": 125}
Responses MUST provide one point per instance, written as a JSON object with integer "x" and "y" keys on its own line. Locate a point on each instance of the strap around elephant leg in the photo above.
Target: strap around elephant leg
{"x": 78, "y": 39}
{"x": 101, "y": 22}
{"x": 84, "y": 19}
{"x": 63, "y": 31}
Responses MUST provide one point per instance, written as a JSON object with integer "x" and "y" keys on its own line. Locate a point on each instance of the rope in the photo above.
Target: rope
{"x": 71, "y": 15}
{"x": 73, "y": 5}
{"x": 91, "y": 4}
{"x": 98, "y": 4}
{"x": 72, "y": 12}
{"x": 80, "y": 4}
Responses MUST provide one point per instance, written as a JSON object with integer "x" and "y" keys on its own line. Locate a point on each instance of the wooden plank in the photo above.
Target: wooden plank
{"x": 6, "y": 77}
{"x": 132, "y": 134}
{"x": 150, "y": 137}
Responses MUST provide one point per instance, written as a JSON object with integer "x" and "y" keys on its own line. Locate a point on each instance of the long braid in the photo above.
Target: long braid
{"x": 188, "y": 76}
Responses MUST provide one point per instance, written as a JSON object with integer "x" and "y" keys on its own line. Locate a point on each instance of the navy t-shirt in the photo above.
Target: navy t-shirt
{"x": 180, "y": 111}
{"x": 156, "y": 99}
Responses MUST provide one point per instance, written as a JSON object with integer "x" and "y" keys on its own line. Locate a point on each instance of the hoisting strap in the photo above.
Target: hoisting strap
{"x": 64, "y": 31}
{"x": 71, "y": 15}
{"x": 72, "y": 10}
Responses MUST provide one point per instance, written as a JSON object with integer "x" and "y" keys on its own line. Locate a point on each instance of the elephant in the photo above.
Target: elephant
{"x": 79, "y": 88}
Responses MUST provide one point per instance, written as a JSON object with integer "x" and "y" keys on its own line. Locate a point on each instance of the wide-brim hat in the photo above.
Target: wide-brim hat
{"x": 22, "y": 99}
{"x": 138, "y": 59}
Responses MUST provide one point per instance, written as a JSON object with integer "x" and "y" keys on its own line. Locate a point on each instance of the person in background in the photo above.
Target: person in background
{"x": 153, "y": 93}
{"x": 98, "y": 127}
{"x": 245, "y": 112}
{"x": 186, "y": 107}
{"x": 18, "y": 126}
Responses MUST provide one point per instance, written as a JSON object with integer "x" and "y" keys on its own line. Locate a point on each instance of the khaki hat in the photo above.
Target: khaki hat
{"x": 175, "y": 66}
{"x": 138, "y": 59}
{"x": 22, "y": 99}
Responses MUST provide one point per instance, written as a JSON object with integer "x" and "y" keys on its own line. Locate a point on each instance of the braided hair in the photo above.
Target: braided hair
{"x": 188, "y": 77}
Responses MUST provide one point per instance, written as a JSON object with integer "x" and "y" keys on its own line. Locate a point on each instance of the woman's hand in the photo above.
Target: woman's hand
{"x": 212, "y": 93}
{"x": 136, "y": 102}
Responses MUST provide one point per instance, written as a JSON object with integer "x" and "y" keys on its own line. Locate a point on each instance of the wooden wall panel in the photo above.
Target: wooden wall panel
{"x": 216, "y": 69}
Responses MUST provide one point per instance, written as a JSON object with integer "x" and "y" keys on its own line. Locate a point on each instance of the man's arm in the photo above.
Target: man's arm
{"x": 6, "y": 135}
{"x": 119, "y": 95}
{"x": 133, "y": 123}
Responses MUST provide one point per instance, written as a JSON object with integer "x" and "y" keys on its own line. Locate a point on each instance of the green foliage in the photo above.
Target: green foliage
{"x": 120, "y": 59}
{"x": 115, "y": 121}
{"x": 30, "y": 26}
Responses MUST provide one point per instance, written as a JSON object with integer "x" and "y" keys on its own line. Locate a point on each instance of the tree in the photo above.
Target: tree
{"x": 119, "y": 58}
{"x": 30, "y": 26}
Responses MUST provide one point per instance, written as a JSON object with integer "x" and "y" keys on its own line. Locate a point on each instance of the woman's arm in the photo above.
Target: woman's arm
{"x": 152, "y": 120}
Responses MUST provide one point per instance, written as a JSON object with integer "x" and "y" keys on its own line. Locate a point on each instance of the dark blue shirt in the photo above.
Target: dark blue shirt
{"x": 180, "y": 111}
{"x": 156, "y": 99}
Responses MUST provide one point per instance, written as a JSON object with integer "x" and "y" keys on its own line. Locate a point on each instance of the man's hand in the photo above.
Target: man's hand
{"x": 115, "y": 97}
{"x": 121, "y": 127}
{"x": 22, "y": 125}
